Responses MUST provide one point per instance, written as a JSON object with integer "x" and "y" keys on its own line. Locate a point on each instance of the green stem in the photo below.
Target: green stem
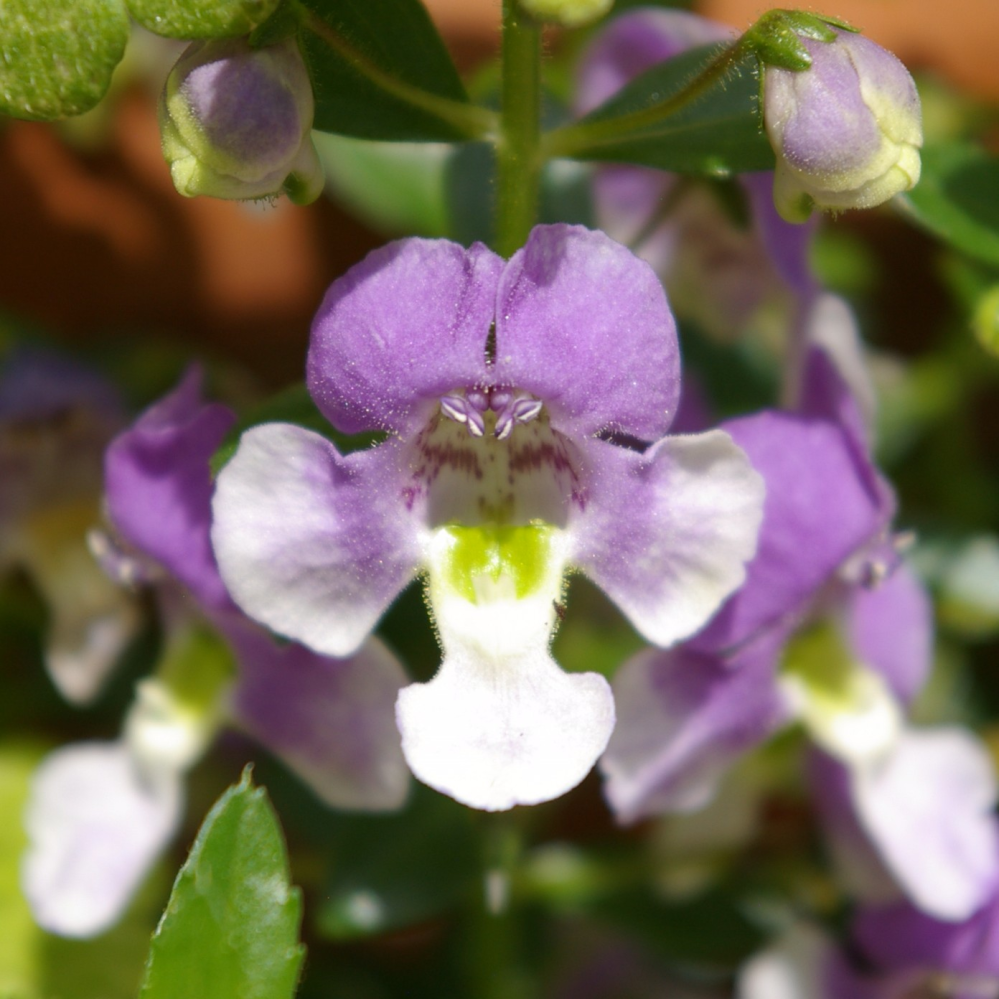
{"x": 518, "y": 162}
{"x": 570, "y": 140}
{"x": 496, "y": 946}
{"x": 469, "y": 120}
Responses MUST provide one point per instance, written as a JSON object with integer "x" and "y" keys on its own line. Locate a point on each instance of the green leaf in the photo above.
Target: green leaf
{"x": 395, "y": 187}
{"x": 396, "y": 38}
{"x": 204, "y": 19}
{"x": 230, "y": 930}
{"x": 57, "y": 56}
{"x": 291, "y": 405}
{"x": 394, "y": 871}
{"x": 957, "y": 199}
{"x": 716, "y": 134}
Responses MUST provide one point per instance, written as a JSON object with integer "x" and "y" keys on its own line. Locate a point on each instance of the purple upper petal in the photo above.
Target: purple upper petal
{"x": 406, "y": 325}
{"x": 818, "y": 510}
{"x": 583, "y": 324}
{"x": 890, "y": 629}
{"x": 634, "y": 43}
{"x": 159, "y": 488}
{"x": 683, "y": 718}
{"x": 311, "y": 543}
{"x": 332, "y": 721}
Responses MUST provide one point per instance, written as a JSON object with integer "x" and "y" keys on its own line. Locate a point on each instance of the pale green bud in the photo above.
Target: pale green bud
{"x": 236, "y": 122}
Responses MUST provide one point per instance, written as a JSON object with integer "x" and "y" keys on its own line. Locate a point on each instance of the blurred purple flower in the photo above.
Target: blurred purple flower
{"x": 499, "y": 383}
{"x": 330, "y": 720}
{"x": 56, "y": 418}
{"x": 719, "y": 273}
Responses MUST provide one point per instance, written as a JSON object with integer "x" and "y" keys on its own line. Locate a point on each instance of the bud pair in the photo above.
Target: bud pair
{"x": 236, "y": 122}
{"x": 846, "y": 131}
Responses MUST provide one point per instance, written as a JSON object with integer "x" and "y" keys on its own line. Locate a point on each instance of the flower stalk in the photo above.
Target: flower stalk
{"x": 518, "y": 152}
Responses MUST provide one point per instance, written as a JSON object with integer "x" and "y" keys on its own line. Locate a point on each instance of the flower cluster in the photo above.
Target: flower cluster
{"x": 528, "y": 419}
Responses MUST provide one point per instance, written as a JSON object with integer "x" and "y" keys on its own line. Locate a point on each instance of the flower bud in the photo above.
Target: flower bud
{"x": 569, "y": 13}
{"x": 236, "y": 121}
{"x": 846, "y": 131}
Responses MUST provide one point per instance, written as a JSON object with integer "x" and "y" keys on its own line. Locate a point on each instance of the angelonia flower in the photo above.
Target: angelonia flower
{"x": 509, "y": 391}
{"x": 56, "y": 418}
{"x": 830, "y": 630}
{"x": 236, "y": 121}
{"x": 728, "y": 261}
{"x": 100, "y": 813}
{"x": 891, "y": 952}
{"x": 570, "y": 13}
{"x": 846, "y": 131}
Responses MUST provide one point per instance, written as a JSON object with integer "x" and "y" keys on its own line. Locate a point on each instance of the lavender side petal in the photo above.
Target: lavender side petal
{"x": 311, "y": 543}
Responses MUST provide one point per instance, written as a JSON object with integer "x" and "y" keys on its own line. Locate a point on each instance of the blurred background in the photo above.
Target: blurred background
{"x": 95, "y": 242}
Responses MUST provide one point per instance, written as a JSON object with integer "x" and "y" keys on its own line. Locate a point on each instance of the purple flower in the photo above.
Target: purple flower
{"x": 919, "y": 819}
{"x": 236, "y": 122}
{"x": 56, "y": 418}
{"x": 721, "y": 275}
{"x": 499, "y": 384}
{"x": 895, "y": 952}
{"x": 330, "y": 720}
{"x": 846, "y": 131}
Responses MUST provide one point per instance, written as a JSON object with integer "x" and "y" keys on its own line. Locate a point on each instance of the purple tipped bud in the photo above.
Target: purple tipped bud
{"x": 236, "y": 122}
{"x": 846, "y": 132}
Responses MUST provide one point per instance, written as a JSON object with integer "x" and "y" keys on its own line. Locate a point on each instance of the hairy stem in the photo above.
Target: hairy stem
{"x": 518, "y": 159}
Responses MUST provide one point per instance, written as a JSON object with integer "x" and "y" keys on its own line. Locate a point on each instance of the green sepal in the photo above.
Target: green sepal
{"x": 57, "y": 56}
{"x": 204, "y": 19}
{"x": 282, "y": 24}
{"x": 230, "y": 930}
{"x": 776, "y": 37}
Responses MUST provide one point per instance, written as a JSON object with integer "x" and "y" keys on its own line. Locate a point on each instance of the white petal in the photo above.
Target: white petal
{"x": 792, "y": 968}
{"x": 497, "y": 734}
{"x": 667, "y": 534}
{"x": 501, "y": 724}
{"x": 95, "y": 827}
{"x": 928, "y": 808}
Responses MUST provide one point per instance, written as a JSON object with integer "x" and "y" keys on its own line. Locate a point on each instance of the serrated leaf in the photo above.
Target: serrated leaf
{"x": 230, "y": 930}
{"x": 957, "y": 199}
{"x": 397, "y": 37}
{"x": 716, "y": 134}
{"x": 57, "y": 56}
{"x": 204, "y": 19}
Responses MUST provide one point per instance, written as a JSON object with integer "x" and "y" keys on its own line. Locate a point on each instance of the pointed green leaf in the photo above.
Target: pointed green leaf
{"x": 57, "y": 56}
{"x": 230, "y": 930}
{"x": 396, "y": 38}
{"x": 716, "y": 134}
{"x": 957, "y": 199}
{"x": 205, "y": 19}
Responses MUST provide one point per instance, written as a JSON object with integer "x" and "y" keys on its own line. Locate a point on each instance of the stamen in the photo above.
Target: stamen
{"x": 526, "y": 409}
{"x": 455, "y": 408}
